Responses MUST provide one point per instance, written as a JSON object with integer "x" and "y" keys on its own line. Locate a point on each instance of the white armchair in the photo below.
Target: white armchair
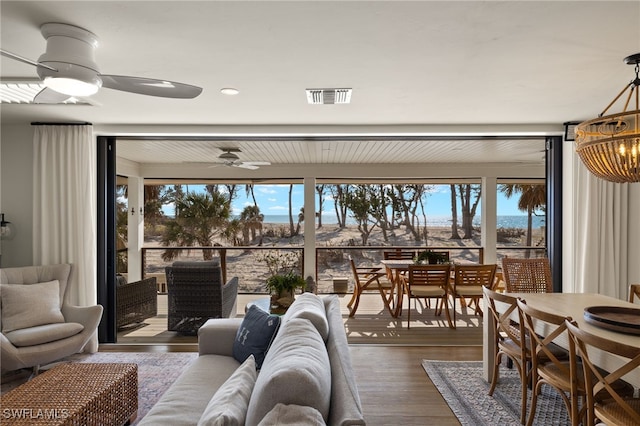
{"x": 37, "y": 326}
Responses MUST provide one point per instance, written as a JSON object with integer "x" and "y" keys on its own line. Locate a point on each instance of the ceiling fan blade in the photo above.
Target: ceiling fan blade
{"x": 150, "y": 86}
{"x": 247, "y": 166}
{"x": 257, "y": 163}
{"x": 25, "y": 60}
{"x": 49, "y": 96}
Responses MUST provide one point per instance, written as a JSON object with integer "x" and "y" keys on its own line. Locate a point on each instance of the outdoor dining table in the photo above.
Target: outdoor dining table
{"x": 573, "y": 305}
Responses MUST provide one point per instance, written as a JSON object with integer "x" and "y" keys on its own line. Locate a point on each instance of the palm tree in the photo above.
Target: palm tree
{"x": 251, "y": 220}
{"x": 198, "y": 217}
{"x": 532, "y": 198}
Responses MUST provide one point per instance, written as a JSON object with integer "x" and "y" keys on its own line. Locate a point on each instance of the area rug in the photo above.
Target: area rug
{"x": 466, "y": 392}
{"x": 156, "y": 372}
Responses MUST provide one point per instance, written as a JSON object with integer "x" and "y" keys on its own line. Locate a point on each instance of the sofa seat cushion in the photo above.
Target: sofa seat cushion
{"x": 255, "y": 335}
{"x": 228, "y": 406}
{"x": 30, "y": 305}
{"x": 43, "y": 333}
{"x": 292, "y": 415}
{"x": 296, "y": 371}
{"x": 311, "y": 307}
{"x": 187, "y": 398}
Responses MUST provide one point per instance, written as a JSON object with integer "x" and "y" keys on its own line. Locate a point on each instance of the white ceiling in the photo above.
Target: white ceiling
{"x": 412, "y": 65}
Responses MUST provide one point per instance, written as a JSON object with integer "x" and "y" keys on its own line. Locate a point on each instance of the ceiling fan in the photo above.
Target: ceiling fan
{"x": 231, "y": 159}
{"x": 68, "y": 69}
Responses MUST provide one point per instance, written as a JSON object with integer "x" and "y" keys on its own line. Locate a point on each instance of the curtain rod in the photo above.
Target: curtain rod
{"x": 40, "y": 123}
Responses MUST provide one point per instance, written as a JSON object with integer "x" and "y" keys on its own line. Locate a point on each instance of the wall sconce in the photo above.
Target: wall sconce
{"x": 7, "y": 230}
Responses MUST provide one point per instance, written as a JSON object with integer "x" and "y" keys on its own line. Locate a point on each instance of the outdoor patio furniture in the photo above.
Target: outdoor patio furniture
{"x": 196, "y": 293}
{"x": 467, "y": 283}
{"x": 634, "y": 291}
{"x": 429, "y": 281}
{"x": 136, "y": 301}
{"x": 370, "y": 278}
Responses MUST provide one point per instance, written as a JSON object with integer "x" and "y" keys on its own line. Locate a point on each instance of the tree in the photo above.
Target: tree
{"x": 339, "y": 194}
{"x": 249, "y": 191}
{"x": 455, "y": 235}
{"x": 251, "y": 221}
{"x": 292, "y": 229}
{"x": 320, "y": 191}
{"x": 198, "y": 217}
{"x": 532, "y": 198}
{"x": 469, "y": 200}
{"x": 407, "y": 199}
{"x": 363, "y": 204}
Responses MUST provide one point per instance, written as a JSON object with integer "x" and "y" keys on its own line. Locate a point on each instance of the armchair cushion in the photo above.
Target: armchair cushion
{"x": 43, "y": 333}
{"x": 25, "y": 306}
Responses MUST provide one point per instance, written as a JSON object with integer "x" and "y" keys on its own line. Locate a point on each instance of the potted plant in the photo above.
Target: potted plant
{"x": 283, "y": 287}
{"x": 431, "y": 258}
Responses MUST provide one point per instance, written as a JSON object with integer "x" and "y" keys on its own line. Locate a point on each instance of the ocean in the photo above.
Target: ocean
{"x": 519, "y": 221}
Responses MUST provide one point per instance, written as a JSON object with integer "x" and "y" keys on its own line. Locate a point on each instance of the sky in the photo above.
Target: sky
{"x": 274, "y": 200}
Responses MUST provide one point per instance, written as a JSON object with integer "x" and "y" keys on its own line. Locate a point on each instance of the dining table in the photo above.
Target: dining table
{"x": 569, "y": 305}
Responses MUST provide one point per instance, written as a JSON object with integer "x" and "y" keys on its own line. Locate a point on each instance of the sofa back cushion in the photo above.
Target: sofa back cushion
{"x": 296, "y": 371}
{"x": 30, "y": 305}
{"x": 309, "y": 306}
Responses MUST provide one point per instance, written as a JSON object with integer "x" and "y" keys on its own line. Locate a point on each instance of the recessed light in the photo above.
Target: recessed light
{"x": 229, "y": 91}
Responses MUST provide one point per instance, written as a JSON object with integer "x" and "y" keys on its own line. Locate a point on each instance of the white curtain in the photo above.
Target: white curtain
{"x": 64, "y": 205}
{"x": 606, "y": 234}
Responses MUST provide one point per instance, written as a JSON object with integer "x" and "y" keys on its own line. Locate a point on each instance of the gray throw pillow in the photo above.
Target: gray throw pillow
{"x": 255, "y": 335}
{"x": 30, "y": 305}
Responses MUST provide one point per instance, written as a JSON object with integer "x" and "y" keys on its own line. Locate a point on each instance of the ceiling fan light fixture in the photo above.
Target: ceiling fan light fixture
{"x": 71, "y": 86}
{"x": 609, "y": 145}
{"x": 230, "y": 91}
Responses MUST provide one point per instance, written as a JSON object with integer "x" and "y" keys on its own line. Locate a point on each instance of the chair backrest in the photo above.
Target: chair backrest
{"x": 354, "y": 270}
{"x": 502, "y": 308}
{"x": 474, "y": 275}
{"x": 527, "y": 275}
{"x": 634, "y": 291}
{"x": 38, "y": 274}
{"x": 596, "y": 379}
{"x": 429, "y": 275}
{"x": 542, "y": 345}
{"x": 194, "y": 274}
{"x": 398, "y": 254}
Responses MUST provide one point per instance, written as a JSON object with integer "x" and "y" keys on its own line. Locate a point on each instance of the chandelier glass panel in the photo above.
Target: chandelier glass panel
{"x": 610, "y": 145}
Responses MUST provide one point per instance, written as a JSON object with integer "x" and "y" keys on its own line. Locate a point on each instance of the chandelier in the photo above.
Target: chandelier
{"x": 610, "y": 145}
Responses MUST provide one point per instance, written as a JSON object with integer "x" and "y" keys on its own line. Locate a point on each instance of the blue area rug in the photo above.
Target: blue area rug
{"x": 466, "y": 392}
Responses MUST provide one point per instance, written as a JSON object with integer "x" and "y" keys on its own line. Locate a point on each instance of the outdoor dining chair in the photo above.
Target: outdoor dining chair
{"x": 527, "y": 275}
{"x": 429, "y": 281}
{"x": 468, "y": 282}
{"x": 370, "y": 278}
{"x": 608, "y": 401}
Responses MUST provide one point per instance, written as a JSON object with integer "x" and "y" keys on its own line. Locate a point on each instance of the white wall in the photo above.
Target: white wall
{"x": 16, "y": 192}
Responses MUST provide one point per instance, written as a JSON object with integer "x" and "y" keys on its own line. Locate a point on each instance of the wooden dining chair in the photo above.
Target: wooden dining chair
{"x": 607, "y": 399}
{"x": 550, "y": 364}
{"x": 399, "y": 254}
{"x": 527, "y": 275}
{"x": 468, "y": 281}
{"x": 429, "y": 282}
{"x": 634, "y": 291}
{"x": 509, "y": 341}
{"x": 370, "y": 278}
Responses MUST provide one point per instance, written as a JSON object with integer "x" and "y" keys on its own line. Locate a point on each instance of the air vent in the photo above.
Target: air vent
{"x": 328, "y": 96}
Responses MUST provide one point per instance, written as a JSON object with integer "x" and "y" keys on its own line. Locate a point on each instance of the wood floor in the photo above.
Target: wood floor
{"x": 394, "y": 388}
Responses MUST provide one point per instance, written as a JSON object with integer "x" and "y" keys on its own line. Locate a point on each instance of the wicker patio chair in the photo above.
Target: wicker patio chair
{"x": 195, "y": 293}
{"x": 136, "y": 301}
{"x": 527, "y": 275}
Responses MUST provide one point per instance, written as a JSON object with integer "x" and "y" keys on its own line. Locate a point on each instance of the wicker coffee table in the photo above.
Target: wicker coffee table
{"x": 75, "y": 394}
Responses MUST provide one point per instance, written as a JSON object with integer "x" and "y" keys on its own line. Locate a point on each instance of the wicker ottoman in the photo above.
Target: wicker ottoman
{"x": 75, "y": 394}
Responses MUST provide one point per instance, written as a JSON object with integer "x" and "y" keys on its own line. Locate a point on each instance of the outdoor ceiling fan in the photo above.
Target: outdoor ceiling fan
{"x": 230, "y": 158}
{"x": 68, "y": 69}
